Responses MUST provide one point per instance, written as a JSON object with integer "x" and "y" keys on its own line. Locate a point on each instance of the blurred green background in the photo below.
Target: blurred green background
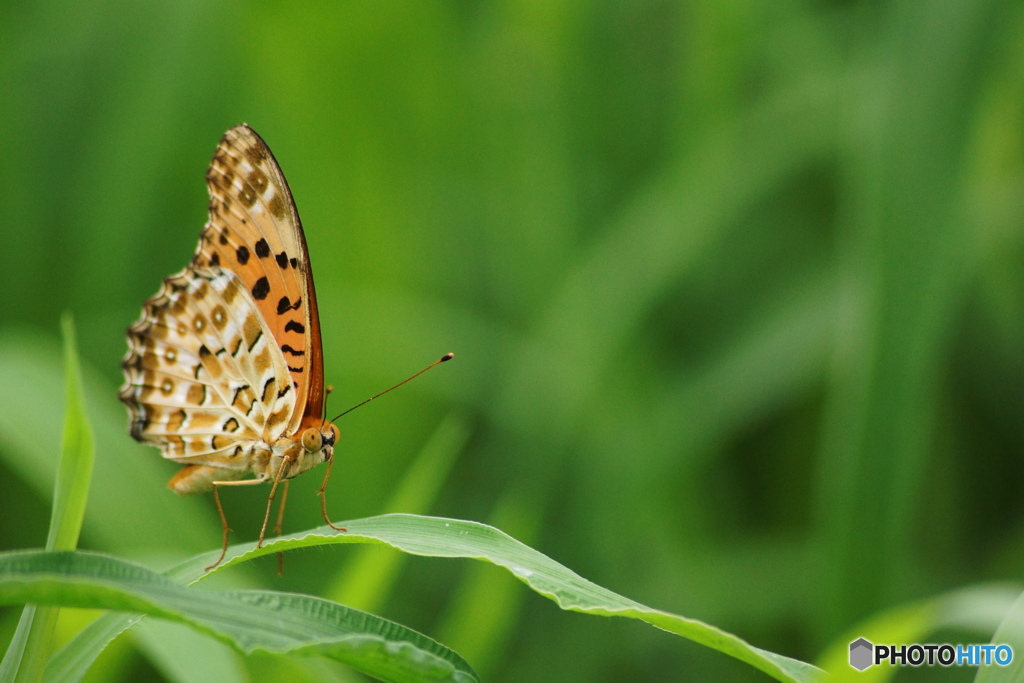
{"x": 736, "y": 293}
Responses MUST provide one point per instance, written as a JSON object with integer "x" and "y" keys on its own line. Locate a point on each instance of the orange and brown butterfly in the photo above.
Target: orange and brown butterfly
{"x": 225, "y": 367}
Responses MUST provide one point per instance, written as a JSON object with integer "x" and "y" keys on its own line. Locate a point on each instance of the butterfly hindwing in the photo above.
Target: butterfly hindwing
{"x": 204, "y": 379}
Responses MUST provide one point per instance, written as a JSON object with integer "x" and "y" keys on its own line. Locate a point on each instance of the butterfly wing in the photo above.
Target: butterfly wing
{"x": 201, "y": 373}
{"x": 254, "y": 231}
{"x": 226, "y": 358}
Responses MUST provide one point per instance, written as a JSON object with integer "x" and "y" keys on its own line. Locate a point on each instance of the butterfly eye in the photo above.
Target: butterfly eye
{"x": 312, "y": 440}
{"x": 334, "y": 435}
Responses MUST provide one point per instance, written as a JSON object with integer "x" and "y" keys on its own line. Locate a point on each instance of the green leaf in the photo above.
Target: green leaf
{"x": 440, "y": 537}
{"x": 249, "y": 620}
{"x": 77, "y": 450}
{"x": 26, "y": 656}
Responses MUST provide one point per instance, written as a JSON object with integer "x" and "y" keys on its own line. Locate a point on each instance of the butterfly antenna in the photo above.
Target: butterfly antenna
{"x": 447, "y": 356}
{"x": 323, "y": 413}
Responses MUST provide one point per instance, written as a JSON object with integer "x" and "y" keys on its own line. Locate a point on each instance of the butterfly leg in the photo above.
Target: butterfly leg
{"x": 280, "y": 508}
{"x": 280, "y": 522}
{"x": 223, "y": 517}
{"x": 224, "y": 523}
{"x": 270, "y": 499}
{"x": 323, "y": 496}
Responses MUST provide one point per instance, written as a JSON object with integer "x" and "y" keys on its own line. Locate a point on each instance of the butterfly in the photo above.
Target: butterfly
{"x": 224, "y": 371}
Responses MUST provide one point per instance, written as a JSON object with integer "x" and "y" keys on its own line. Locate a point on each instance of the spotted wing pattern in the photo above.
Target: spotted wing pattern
{"x": 254, "y": 231}
{"x": 225, "y": 362}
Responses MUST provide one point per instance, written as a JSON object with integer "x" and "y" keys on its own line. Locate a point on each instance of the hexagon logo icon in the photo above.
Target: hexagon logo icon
{"x": 860, "y": 654}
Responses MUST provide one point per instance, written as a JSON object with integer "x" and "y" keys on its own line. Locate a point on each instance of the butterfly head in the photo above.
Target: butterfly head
{"x": 320, "y": 440}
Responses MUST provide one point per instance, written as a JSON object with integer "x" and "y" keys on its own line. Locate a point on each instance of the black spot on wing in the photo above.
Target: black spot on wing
{"x": 285, "y": 304}
{"x": 262, "y": 248}
{"x": 293, "y": 326}
{"x": 288, "y": 349}
{"x": 242, "y": 253}
{"x": 261, "y": 289}
{"x": 282, "y": 260}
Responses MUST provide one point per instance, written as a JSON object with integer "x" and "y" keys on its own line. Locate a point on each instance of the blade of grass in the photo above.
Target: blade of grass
{"x": 77, "y": 454}
{"x": 249, "y": 620}
{"x": 440, "y": 537}
{"x": 26, "y": 657}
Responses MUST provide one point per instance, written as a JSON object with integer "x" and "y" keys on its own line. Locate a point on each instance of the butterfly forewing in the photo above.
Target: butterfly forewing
{"x": 254, "y": 231}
